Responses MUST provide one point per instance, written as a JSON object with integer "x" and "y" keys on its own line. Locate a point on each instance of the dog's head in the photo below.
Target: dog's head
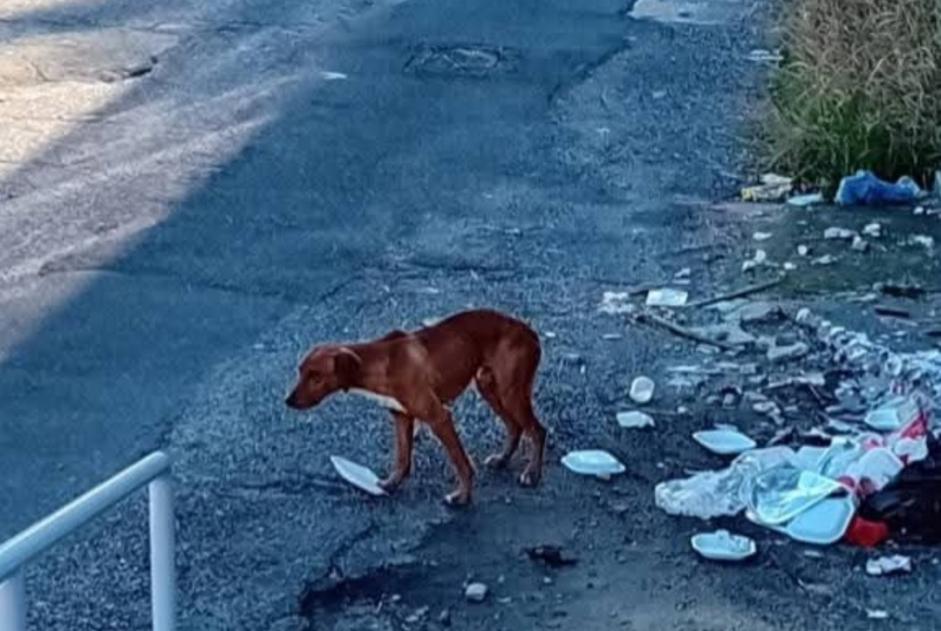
{"x": 325, "y": 370}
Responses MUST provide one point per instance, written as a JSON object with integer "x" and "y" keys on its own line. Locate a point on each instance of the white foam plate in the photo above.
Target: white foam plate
{"x": 724, "y": 441}
{"x": 357, "y": 475}
{"x": 823, "y": 523}
{"x": 593, "y": 462}
{"x": 721, "y": 545}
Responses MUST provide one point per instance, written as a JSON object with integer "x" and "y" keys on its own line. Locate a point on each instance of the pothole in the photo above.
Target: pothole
{"x": 467, "y": 60}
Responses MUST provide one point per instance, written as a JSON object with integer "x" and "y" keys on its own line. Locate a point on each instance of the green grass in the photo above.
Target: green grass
{"x": 860, "y": 88}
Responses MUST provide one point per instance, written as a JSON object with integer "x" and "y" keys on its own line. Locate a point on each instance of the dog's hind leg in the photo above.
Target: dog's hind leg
{"x": 486, "y": 385}
{"x": 404, "y": 441}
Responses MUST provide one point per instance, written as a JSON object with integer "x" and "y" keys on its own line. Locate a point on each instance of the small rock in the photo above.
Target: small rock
{"x": 642, "y": 389}
{"x": 787, "y": 353}
{"x": 761, "y": 236}
{"x": 803, "y": 250}
{"x": 859, "y": 244}
{"x": 922, "y": 240}
{"x": 789, "y": 266}
{"x": 918, "y": 210}
{"x": 877, "y": 614}
{"x": 475, "y": 592}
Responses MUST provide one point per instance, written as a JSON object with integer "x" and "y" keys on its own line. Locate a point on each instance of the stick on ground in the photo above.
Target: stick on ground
{"x": 676, "y": 329}
{"x": 738, "y": 293}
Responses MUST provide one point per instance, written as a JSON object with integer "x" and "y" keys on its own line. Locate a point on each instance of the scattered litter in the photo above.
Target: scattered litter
{"x": 787, "y": 352}
{"x": 873, "y": 230}
{"x": 724, "y": 442}
{"x": 773, "y": 188}
{"x": 922, "y": 240}
{"x": 763, "y": 55}
{"x": 783, "y": 492}
{"x": 616, "y": 302}
{"x": 594, "y": 462}
{"x": 877, "y": 614}
{"x": 676, "y": 329}
{"x": 642, "y": 390}
{"x": 551, "y": 555}
{"x": 805, "y": 201}
{"x": 892, "y": 415}
{"x": 835, "y": 232}
{"x": 884, "y": 566}
{"x": 803, "y": 250}
{"x": 550, "y": 335}
{"x": 859, "y": 244}
{"x": 683, "y": 274}
{"x": 476, "y": 592}
{"x": 357, "y": 475}
{"x": 332, "y": 76}
{"x": 762, "y": 236}
{"x": 824, "y": 523}
{"x": 722, "y": 545}
{"x": 866, "y": 533}
{"x": 826, "y": 259}
{"x": 760, "y": 258}
{"x": 666, "y": 297}
{"x": 634, "y": 420}
{"x": 610, "y": 337}
{"x": 864, "y": 188}
{"x": 918, "y": 210}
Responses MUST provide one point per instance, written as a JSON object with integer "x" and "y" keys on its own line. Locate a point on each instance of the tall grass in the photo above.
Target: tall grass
{"x": 860, "y": 88}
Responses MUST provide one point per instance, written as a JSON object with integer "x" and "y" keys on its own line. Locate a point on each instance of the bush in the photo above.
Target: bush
{"x": 860, "y": 88}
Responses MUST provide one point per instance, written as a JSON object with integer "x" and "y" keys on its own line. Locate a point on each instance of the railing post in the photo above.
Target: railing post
{"x": 13, "y": 603}
{"x": 162, "y": 563}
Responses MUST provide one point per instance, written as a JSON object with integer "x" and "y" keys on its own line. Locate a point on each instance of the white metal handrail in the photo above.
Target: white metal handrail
{"x": 15, "y": 553}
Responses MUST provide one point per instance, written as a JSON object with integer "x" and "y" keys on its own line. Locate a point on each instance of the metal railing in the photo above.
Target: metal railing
{"x": 15, "y": 553}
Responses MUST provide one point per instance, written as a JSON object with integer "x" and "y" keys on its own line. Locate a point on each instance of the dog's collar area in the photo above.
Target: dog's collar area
{"x": 384, "y": 401}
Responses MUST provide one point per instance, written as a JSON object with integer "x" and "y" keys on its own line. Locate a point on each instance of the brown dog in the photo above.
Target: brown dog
{"x": 417, "y": 375}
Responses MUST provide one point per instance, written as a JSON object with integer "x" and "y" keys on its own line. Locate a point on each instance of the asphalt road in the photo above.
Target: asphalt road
{"x": 288, "y": 173}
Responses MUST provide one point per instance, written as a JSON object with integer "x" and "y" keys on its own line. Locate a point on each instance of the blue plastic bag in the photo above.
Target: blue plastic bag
{"x": 865, "y": 189}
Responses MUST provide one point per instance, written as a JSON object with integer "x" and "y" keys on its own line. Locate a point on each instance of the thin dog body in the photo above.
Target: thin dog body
{"x": 417, "y": 375}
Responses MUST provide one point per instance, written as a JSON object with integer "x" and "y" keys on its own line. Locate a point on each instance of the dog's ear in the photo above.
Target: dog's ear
{"x": 347, "y": 364}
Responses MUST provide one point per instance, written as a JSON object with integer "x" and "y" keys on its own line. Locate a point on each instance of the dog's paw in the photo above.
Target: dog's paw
{"x": 529, "y": 478}
{"x": 457, "y": 498}
{"x": 495, "y": 461}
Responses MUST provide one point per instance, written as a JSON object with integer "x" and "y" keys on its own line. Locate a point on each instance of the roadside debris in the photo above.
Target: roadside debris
{"x": 642, "y": 389}
{"x": 884, "y": 566}
{"x": 923, "y": 240}
{"x": 666, "y": 297}
{"x": 634, "y": 420}
{"x": 738, "y": 293}
{"x": 873, "y": 230}
{"x": 475, "y": 592}
{"x": 865, "y": 189}
{"x": 650, "y": 318}
{"x": 826, "y": 259}
{"x": 762, "y": 236}
{"x": 877, "y": 614}
{"x": 760, "y": 258}
{"x": 788, "y": 352}
{"x": 724, "y": 441}
{"x": 835, "y": 232}
{"x": 722, "y": 545}
{"x": 803, "y": 250}
{"x": 805, "y": 201}
{"x": 773, "y": 188}
{"x": 763, "y": 55}
{"x": 357, "y": 475}
{"x": 594, "y": 462}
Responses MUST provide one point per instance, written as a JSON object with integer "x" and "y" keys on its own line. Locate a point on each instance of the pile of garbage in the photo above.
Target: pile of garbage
{"x": 876, "y": 475}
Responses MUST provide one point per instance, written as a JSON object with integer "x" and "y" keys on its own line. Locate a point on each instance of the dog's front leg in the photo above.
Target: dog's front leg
{"x": 404, "y": 440}
{"x": 442, "y": 424}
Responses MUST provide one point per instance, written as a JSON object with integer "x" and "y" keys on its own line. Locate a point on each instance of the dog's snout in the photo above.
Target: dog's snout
{"x": 291, "y": 400}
